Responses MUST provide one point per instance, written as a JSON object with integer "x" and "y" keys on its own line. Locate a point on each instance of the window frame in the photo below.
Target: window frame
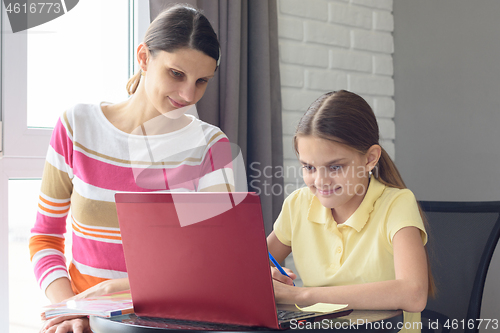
{"x": 23, "y": 149}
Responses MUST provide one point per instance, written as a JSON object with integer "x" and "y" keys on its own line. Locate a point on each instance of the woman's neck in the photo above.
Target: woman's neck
{"x": 137, "y": 116}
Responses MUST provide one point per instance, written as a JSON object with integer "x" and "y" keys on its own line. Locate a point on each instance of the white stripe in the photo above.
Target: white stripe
{"x": 51, "y": 214}
{"x": 46, "y": 197}
{"x": 80, "y": 225}
{"x": 50, "y": 270}
{"x": 52, "y": 277}
{"x": 57, "y": 160}
{"x": 49, "y": 206}
{"x": 53, "y": 235}
{"x": 45, "y": 253}
{"x": 93, "y": 192}
{"x": 215, "y": 178}
{"x": 98, "y": 272}
{"x": 99, "y": 239}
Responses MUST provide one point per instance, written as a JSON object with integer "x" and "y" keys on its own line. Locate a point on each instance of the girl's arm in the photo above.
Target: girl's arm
{"x": 408, "y": 291}
{"x": 280, "y": 251}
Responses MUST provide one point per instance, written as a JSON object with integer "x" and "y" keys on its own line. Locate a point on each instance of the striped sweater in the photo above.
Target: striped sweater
{"x": 88, "y": 160}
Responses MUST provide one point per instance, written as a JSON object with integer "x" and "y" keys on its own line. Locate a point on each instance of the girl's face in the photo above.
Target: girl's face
{"x": 336, "y": 174}
{"x": 177, "y": 79}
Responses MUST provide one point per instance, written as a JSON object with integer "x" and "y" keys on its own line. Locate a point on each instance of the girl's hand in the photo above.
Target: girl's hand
{"x": 286, "y": 294}
{"x": 276, "y": 274}
{"x": 67, "y": 324}
{"x": 105, "y": 287}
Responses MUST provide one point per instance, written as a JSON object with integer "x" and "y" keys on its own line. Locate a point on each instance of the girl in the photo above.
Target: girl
{"x": 144, "y": 143}
{"x": 356, "y": 232}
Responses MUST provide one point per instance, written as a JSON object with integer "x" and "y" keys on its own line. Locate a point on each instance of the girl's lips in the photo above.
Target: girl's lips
{"x": 326, "y": 192}
{"x": 177, "y": 105}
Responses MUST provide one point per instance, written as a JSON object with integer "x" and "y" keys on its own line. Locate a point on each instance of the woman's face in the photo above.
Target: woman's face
{"x": 177, "y": 79}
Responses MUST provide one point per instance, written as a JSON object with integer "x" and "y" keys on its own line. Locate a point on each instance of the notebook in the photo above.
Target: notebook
{"x": 201, "y": 257}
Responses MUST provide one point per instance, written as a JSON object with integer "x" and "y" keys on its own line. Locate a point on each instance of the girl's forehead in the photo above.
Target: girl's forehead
{"x": 318, "y": 150}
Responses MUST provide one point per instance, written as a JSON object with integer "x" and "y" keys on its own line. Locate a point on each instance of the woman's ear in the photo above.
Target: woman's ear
{"x": 143, "y": 56}
{"x": 372, "y": 157}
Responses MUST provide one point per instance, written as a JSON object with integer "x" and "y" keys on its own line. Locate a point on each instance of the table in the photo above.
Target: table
{"x": 359, "y": 321}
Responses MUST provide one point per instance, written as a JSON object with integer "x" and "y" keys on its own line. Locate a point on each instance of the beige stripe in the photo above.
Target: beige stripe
{"x": 93, "y": 212}
{"x": 118, "y": 160}
{"x": 65, "y": 117}
{"x": 53, "y": 178}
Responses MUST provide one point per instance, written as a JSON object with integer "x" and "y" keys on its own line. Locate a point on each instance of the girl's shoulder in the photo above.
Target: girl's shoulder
{"x": 300, "y": 195}
{"x": 395, "y": 198}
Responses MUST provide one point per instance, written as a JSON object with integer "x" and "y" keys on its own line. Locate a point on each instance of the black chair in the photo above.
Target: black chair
{"x": 462, "y": 239}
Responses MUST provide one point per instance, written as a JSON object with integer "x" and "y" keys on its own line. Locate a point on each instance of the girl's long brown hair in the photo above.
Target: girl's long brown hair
{"x": 344, "y": 117}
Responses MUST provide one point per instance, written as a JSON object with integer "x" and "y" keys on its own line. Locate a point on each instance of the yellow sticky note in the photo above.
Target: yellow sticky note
{"x": 322, "y": 307}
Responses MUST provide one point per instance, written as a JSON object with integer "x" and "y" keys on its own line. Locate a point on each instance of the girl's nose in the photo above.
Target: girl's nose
{"x": 322, "y": 179}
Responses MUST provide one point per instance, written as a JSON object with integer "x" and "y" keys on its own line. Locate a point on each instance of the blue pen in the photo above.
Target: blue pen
{"x": 282, "y": 271}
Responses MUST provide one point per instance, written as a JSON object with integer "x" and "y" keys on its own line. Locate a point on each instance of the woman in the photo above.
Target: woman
{"x": 144, "y": 143}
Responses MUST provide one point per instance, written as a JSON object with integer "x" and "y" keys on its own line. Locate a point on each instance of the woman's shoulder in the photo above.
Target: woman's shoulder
{"x": 80, "y": 111}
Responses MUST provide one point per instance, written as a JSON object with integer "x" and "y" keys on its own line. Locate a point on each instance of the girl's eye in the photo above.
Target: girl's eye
{"x": 335, "y": 167}
{"x": 308, "y": 168}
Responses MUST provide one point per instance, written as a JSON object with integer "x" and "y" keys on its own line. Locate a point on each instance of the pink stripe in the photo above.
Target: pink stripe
{"x": 119, "y": 178}
{"x": 49, "y": 225}
{"x": 46, "y": 263}
{"x": 98, "y": 254}
{"x": 61, "y": 143}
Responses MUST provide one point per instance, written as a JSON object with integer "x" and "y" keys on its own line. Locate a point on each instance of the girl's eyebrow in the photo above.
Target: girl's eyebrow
{"x": 335, "y": 161}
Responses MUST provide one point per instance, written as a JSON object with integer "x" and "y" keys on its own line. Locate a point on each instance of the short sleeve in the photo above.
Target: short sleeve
{"x": 404, "y": 212}
{"x": 283, "y": 224}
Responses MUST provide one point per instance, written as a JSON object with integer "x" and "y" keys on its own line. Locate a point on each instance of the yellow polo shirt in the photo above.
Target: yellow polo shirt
{"x": 357, "y": 251}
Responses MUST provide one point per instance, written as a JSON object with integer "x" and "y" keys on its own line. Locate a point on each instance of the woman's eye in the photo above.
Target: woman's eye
{"x": 176, "y": 73}
{"x": 202, "y": 81}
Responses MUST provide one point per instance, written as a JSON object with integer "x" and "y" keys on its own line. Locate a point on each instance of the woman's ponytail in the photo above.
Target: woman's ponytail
{"x": 133, "y": 83}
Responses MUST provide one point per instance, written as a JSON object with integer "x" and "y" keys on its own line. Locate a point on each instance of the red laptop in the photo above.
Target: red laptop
{"x": 201, "y": 257}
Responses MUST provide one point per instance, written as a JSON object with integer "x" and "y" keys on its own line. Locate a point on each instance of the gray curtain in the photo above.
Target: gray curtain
{"x": 244, "y": 99}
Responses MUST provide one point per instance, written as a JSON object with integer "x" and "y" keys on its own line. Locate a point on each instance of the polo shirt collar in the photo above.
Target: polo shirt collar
{"x": 319, "y": 214}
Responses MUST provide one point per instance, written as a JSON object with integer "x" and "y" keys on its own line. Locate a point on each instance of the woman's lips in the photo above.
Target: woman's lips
{"x": 176, "y": 104}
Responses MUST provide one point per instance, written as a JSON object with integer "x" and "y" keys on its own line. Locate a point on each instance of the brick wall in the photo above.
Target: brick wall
{"x": 329, "y": 45}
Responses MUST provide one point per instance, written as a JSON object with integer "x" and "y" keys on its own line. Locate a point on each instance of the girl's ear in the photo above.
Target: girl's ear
{"x": 372, "y": 157}
{"x": 143, "y": 56}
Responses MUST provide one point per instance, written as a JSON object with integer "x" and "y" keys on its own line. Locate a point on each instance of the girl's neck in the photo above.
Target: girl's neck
{"x": 343, "y": 213}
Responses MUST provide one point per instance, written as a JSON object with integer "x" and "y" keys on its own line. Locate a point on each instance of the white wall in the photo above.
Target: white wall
{"x": 447, "y": 93}
{"x": 333, "y": 45}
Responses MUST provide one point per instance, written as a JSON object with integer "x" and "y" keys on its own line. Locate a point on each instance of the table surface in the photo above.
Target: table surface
{"x": 360, "y": 321}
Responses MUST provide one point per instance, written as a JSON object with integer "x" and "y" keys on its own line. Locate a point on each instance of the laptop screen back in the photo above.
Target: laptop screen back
{"x": 197, "y": 256}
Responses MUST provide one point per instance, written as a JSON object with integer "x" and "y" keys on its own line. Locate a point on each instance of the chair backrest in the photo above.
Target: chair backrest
{"x": 462, "y": 239}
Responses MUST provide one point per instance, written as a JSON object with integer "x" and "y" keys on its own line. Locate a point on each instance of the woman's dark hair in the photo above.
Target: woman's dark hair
{"x": 346, "y": 118}
{"x": 178, "y": 26}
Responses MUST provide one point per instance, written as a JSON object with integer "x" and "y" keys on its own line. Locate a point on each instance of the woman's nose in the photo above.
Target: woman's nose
{"x": 187, "y": 92}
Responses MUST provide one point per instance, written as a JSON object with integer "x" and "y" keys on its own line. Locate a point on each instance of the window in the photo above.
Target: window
{"x": 45, "y": 70}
